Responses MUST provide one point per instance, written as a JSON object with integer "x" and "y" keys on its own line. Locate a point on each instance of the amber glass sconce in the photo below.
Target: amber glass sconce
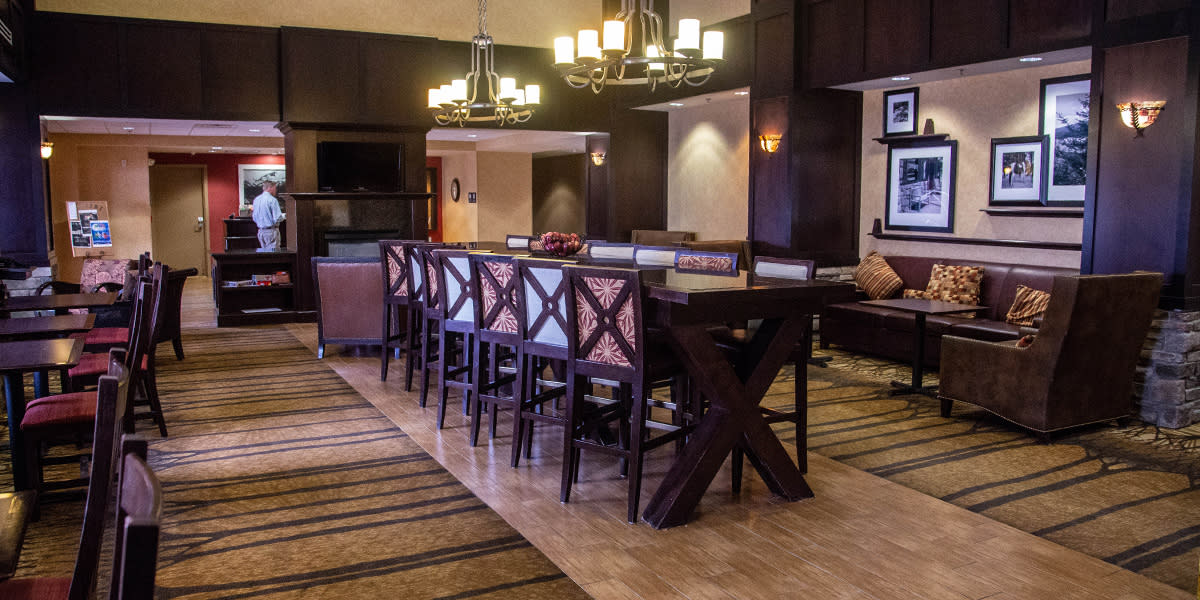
{"x": 769, "y": 143}
{"x": 1140, "y": 115}
{"x": 597, "y": 158}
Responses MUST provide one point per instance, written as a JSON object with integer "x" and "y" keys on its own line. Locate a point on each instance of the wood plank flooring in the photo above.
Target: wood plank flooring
{"x": 861, "y": 537}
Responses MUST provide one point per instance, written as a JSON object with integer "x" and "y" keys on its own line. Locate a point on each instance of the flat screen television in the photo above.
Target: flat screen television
{"x": 360, "y": 167}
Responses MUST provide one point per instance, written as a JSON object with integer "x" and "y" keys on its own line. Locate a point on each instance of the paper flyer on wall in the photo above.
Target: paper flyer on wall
{"x": 101, "y": 236}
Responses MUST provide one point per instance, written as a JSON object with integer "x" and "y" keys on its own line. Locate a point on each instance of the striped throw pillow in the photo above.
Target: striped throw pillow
{"x": 1028, "y": 305}
{"x": 876, "y": 277}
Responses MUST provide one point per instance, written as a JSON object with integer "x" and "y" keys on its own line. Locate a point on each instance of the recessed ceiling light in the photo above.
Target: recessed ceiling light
{"x": 127, "y": 128}
{"x": 218, "y": 147}
{"x": 901, "y": 78}
{"x": 741, "y": 93}
{"x": 675, "y": 104}
{"x": 254, "y": 130}
{"x": 1030, "y": 59}
{"x": 472, "y": 135}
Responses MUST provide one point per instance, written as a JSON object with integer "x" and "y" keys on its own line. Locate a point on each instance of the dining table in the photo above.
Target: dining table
{"x": 33, "y": 328}
{"x": 16, "y": 359}
{"x": 59, "y": 303}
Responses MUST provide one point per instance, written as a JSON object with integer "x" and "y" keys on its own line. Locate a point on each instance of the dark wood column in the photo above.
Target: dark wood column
{"x": 23, "y": 228}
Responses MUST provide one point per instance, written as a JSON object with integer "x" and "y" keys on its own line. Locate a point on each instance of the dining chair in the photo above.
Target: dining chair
{"x": 139, "y": 521}
{"x": 415, "y": 348}
{"x": 105, "y": 427}
{"x": 607, "y": 338}
{"x": 395, "y": 299}
{"x": 699, "y": 261}
{"x": 542, "y": 322}
{"x": 663, "y": 256}
{"x": 149, "y": 307}
{"x": 610, "y": 250}
{"x": 496, "y": 340}
{"x": 67, "y": 418}
{"x": 170, "y": 329}
{"x": 454, "y": 312}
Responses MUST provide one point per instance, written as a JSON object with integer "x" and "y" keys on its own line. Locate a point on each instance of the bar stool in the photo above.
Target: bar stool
{"x": 395, "y": 301}
{"x": 453, "y": 310}
{"x": 497, "y": 338}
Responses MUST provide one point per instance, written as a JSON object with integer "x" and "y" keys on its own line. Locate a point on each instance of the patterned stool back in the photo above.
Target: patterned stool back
{"x": 494, "y": 277}
{"x": 604, "y": 320}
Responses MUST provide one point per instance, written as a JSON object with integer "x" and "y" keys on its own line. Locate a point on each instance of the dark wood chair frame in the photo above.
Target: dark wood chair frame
{"x": 418, "y": 352}
{"x": 455, "y": 334}
{"x": 139, "y": 520}
{"x": 394, "y": 332}
{"x": 493, "y": 387}
{"x": 632, "y": 408}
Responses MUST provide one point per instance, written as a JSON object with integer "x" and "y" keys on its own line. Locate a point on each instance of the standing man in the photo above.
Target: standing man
{"x": 267, "y": 216}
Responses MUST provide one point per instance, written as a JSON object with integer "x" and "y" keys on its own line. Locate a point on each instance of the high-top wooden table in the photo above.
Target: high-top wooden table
{"x": 16, "y": 358}
{"x": 687, "y": 305}
{"x": 59, "y": 303}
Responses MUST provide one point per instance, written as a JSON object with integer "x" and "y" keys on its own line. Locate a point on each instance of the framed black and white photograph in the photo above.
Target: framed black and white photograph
{"x": 1018, "y": 171}
{"x": 252, "y": 177}
{"x": 1065, "y": 106}
{"x": 920, "y": 187}
{"x": 900, "y": 112}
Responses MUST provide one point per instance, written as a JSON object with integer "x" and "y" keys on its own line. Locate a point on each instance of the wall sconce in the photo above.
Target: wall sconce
{"x": 769, "y": 143}
{"x": 597, "y": 158}
{"x": 1140, "y": 115}
{"x": 47, "y": 149}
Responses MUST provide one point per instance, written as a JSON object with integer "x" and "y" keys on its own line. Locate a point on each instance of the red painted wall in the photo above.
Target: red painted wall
{"x": 222, "y": 184}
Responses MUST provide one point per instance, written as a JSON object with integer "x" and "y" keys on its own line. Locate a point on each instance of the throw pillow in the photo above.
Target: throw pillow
{"x": 1025, "y": 341}
{"x": 918, "y": 294}
{"x": 876, "y": 277}
{"x": 955, "y": 283}
{"x": 1029, "y": 304}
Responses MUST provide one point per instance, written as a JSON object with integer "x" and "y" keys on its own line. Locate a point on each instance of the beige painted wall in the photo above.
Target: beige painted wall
{"x": 708, "y": 170}
{"x": 973, "y": 110}
{"x": 460, "y": 221}
{"x": 708, "y": 11}
{"x": 114, "y": 169}
{"x": 505, "y": 194}
{"x": 534, "y": 23}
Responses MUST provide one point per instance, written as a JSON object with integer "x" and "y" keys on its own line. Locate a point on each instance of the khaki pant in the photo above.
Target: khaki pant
{"x": 268, "y": 239}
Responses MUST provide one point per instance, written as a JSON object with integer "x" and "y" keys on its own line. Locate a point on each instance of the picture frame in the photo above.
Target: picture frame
{"x": 900, "y": 109}
{"x": 250, "y": 180}
{"x": 1065, "y": 107}
{"x": 1018, "y": 171}
{"x": 920, "y": 186}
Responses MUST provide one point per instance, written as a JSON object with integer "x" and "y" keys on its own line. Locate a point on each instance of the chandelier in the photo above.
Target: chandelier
{"x": 589, "y": 63}
{"x": 460, "y": 101}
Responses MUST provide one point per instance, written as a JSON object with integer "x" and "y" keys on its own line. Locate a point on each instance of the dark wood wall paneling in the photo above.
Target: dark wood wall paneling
{"x": 598, "y": 176}
{"x": 825, "y": 170}
{"x": 560, "y": 193}
{"x": 1117, "y": 10}
{"x": 104, "y": 66}
{"x": 12, "y": 55}
{"x": 771, "y": 204}
{"x": 966, "y": 32}
{"x": 23, "y": 226}
{"x": 833, "y": 42}
{"x": 638, "y": 156}
{"x": 1144, "y": 222}
{"x": 896, "y": 36}
{"x": 1040, "y": 25}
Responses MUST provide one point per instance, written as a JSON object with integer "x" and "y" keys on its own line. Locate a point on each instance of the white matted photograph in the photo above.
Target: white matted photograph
{"x": 251, "y": 178}
{"x": 920, "y": 189}
{"x": 1018, "y": 171}
{"x": 900, "y": 112}
{"x": 1065, "y": 107}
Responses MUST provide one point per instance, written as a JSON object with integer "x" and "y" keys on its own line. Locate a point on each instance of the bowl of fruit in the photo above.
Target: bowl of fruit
{"x": 561, "y": 244}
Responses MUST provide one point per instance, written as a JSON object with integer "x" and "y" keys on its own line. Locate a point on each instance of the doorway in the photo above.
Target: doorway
{"x": 178, "y": 205}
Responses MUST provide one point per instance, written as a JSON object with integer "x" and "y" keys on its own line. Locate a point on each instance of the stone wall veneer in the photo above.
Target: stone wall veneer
{"x": 1167, "y": 386}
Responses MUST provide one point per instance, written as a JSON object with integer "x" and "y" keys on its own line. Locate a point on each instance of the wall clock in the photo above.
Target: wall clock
{"x": 454, "y": 191}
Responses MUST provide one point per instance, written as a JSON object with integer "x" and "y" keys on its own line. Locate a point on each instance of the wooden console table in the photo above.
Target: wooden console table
{"x": 256, "y": 305}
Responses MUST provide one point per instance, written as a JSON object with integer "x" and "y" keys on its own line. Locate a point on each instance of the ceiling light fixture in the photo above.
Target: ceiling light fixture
{"x": 453, "y": 103}
{"x": 127, "y": 128}
{"x": 589, "y": 63}
{"x": 901, "y": 78}
{"x": 674, "y": 104}
{"x": 743, "y": 93}
{"x": 254, "y": 130}
{"x": 1029, "y": 59}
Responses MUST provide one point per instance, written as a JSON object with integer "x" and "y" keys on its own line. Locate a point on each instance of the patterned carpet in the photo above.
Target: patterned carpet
{"x": 1129, "y": 496}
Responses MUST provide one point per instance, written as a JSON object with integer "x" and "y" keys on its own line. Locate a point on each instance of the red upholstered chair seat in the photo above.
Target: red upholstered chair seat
{"x": 35, "y": 588}
{"x": 63, "y": 409}
{"x": 108, "y": 336}
{"x": 95, "y": 364}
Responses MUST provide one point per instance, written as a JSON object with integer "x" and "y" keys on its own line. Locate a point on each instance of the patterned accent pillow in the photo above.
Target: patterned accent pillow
{"x": 876, "y": 277}
{"x": 1028, "y": 305}
{"x": 717, "y": 264}
{"x": 955, "y": 283}
{"x": 918, "y": 294}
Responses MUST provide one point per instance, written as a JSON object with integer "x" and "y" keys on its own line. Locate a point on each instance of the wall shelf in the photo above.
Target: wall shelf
{"x": 907, "y": 139}
{"x": 877, "y": 233}
{"x": 1066, "y": 213}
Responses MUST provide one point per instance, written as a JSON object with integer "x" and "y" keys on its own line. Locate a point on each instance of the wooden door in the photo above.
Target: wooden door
{"x": 177, "y": 216}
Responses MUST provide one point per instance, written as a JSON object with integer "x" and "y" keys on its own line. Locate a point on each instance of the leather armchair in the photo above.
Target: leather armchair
{"x": 349, "y": 294}
{"x": 1079, "y": 368}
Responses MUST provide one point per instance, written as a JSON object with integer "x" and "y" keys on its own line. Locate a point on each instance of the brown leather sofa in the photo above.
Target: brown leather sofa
{"x": 889, "y": 333}
{"x": 349, "y": 301}
{"x": 1079, "y": 368}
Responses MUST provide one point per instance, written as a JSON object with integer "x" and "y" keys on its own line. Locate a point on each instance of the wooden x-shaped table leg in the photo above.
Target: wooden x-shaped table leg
{"x": 735, "y": 391}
